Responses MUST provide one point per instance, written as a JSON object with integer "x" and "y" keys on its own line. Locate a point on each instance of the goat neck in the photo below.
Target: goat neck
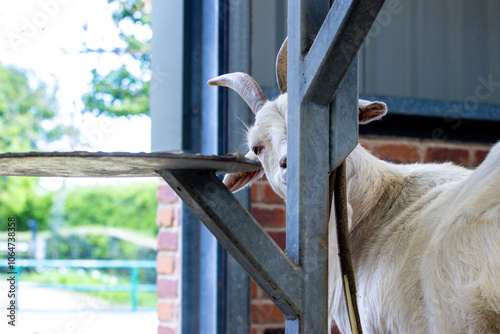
{"x": 369, "y": 180}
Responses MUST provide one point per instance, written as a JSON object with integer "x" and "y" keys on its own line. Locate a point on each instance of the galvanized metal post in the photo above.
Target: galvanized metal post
{"x": 321, "y": 49}
{"x": 214, "y": 287}
{"x": 200, "y": 279}
{"x": 237, "y": 288}
{"x": 308, "y": 170}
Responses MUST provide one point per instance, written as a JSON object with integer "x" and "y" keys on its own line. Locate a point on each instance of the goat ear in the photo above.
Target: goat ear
{"x": 238, "y": 181}
{"x": 369, "y": 111}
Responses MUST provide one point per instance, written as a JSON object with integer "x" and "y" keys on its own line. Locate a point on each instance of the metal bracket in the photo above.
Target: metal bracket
{"x": 344, "y": 118}
{"x": 336, "y": 46}
{"x": 241, "y": 235}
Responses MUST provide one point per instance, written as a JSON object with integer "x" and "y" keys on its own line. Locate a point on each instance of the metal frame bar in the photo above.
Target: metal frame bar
{"x": 314, "y": 76}
{"x": 211, "y": 280}
{"x": 241, "y": 235}
{"x": 437, "y": 108}
{"x": 198, "y": 294}
{"x": 307, "y": 177}
{"x": 344, "y": 118}
{"x": 335, "y": 47}
{"x": 191, "y": 296}
{"x": 412, "y": 106}
{"x": 237, "y": 288}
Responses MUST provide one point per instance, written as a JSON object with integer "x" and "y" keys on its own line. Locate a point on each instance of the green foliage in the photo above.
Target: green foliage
{"x": 25, "y": 116}
{"x": 121, "y": 93}
{"x": 135, "y": 10}
{"x": 20, "y": 198}
{"x": 101, "y": 247}
{"x": 23, "y": 110}
{"x": 117, "y": 93}
{"x": 144, "y": 299}
{"x": 130, "y": 206}
{"x": 139, "y": 13}
{"x": 95, "y": 247}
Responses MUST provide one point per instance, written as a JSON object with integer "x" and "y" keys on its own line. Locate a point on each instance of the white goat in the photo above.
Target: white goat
{"x": 425, "y": 238}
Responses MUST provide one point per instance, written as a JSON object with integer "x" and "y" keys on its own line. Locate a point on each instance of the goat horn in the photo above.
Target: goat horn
{"x": 281, "y": 67}
{"x": 244, "y": 85}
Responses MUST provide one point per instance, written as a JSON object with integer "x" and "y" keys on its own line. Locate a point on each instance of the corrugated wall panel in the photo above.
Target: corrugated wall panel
{"x": 434, "y": 50}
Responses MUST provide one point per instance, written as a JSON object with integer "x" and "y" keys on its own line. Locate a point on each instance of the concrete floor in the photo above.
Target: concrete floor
{"x": 50, "y": 311}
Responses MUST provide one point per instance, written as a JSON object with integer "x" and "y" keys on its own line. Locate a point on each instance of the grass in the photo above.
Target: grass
{"x": 66, "y": 276}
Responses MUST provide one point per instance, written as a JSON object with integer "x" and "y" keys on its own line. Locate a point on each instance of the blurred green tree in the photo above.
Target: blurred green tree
{"x": 120, "y": 92}
{"x": 26, "y": 112}
{"x": 132, "y": 206}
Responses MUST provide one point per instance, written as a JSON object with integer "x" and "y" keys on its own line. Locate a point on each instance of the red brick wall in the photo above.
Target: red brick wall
{"x": 412, "y": 150}
{"x": 168, "y": 260}
{"x": 269, "y": 210}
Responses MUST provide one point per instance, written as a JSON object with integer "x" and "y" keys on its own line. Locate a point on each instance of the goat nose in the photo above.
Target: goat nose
{"x": 283, "y": 162}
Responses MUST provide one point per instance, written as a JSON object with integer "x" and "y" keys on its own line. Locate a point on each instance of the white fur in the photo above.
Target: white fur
{"x": 425, "y": 237}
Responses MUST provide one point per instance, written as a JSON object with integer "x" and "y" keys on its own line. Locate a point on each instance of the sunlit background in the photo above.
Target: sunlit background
{"x": 86, "y": 63}
{"x": 59, "y": 43}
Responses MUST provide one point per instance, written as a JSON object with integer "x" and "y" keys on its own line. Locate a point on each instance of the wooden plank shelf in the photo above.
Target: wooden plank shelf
{"x": 116, "y": 164}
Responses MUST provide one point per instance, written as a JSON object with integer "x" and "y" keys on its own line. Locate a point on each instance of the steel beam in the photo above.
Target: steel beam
{"x": 312, "y": 15}
{"x": 446, "y": 109}
{"x": 242, "y": 236}
{"x": 344, "y": 118}
{"x": 307, "y": 181}
{"x": 200, "y": 263}
{"x": 336, "y": 45}
{"x": 237, "y": 289}
{"x": 319, "y": 142}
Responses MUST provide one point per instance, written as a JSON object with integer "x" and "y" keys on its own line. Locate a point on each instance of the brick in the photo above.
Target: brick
{"x": 166, "y": 288}
{"x": 255, "y": 192}
{"x": 479, "y": 156}
{"x": 165, "y": 194}
{"x": 166, "y": 330}
{"x": 167, "y": 240}
{"x": 256, "y": 292}
{"x": 364, "y": 143}
{"x": 254, "y": 288}
{"x": 397, "y": 152}
{"x": 280, "y": 330}
{"x": 165, "y": 311}
{"x": 165, "y": 264}
{"x": 270, "y": 216}
{"x": 265, "y": 312}
{"x": 165, "y": 216}
{"x": 178, "y": 265}
{"x": 279, "y": 237}
{"x": 444, "y": 154}
{"x": 269, "y": 196}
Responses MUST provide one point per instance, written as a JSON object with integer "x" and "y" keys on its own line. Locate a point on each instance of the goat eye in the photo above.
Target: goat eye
{"x": 257, "y": 149}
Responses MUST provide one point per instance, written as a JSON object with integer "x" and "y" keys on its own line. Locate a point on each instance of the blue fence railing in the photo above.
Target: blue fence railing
{"x": 134, "y": 265}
